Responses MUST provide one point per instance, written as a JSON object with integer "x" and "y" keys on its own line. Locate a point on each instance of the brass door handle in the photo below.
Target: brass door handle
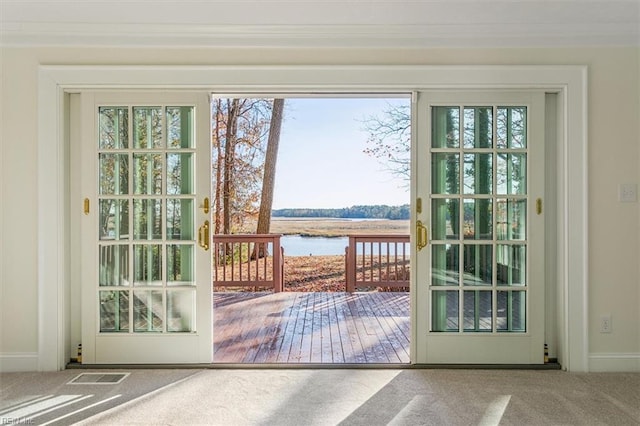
{"x": 422, "y": 235}
{"x": 203, "y": 235}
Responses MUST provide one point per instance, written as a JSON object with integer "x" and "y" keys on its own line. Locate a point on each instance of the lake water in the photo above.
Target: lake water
{"x": 295, "y": 245}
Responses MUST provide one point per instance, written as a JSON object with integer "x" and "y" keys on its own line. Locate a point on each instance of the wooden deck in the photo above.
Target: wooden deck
{"x": 328, "y": 328}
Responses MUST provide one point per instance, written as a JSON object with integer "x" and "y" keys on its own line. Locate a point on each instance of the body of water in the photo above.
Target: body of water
{"x": 295, "y": 245}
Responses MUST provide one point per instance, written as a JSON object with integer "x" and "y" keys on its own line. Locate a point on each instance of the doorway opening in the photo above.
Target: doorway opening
{"x": 61, "y": 283}
{"x": 323, "y": 276}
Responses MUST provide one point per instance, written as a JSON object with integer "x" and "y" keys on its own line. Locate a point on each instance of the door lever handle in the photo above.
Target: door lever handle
{"x": 422, "y": 235}
{"x": 203, "y": 235}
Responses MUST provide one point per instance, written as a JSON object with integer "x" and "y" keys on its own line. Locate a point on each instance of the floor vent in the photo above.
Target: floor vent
{"x": 98, "y": 379}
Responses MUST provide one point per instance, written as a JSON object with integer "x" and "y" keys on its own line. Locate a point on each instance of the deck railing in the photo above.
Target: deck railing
{"x": 237, "y": 265}
{"x": 377, "y": 261}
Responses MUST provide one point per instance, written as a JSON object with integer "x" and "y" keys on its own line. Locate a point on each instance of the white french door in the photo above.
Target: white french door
{"x": 479, "y": 221}
{"x": 146, "y": 268}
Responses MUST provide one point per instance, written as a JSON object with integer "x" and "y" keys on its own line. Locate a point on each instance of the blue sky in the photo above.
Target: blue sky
{"x": 321, "y": 163}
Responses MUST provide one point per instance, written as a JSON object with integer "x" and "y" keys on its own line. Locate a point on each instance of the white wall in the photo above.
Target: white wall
{"x": 19, "y": 310}
{"x": 614, "y": 228}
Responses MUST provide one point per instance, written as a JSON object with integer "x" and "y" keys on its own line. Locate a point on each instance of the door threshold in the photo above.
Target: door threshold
{"x": 318, "y": 366}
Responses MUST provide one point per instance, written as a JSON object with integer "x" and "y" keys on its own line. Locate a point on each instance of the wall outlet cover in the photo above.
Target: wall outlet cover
{"x": 628, "y": 193}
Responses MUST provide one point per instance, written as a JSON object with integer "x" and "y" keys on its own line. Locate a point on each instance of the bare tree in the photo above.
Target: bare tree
{"x": 229, "y": 159}
{"x": 269, "y": 177}
{"x": 239, "y": 138}
{"x": 390, "y": 139}
{"x": 217, "y": 131}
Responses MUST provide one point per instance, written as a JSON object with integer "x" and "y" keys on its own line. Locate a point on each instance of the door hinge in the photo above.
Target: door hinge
{"x": 539, "y": 206}
{"x": 86, "y": 206}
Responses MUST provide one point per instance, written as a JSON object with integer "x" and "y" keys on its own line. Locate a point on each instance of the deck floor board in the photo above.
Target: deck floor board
{"x": 329, "y": 328}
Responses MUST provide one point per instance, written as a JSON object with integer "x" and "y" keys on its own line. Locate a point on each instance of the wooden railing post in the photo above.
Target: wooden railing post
{"x": 282, "y": 268}
{"x": 346, "y": 268}
{"x": 350, "y": 270}
{"x": 277, "y": 268}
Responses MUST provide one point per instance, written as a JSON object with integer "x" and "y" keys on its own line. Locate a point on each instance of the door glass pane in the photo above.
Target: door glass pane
{"x": 147, "y": 127}
{"x": 180, "y": 219}
{"x": 114, "y": 128}
{"x": 147, "y": 219}
{"x": 511, "y": 219}
{"x": 114, "y": 265}
{"x": 511, "y": 264}
{"x": 148, "y": 312}
{"x": 114, "y": 311}
{"x": 147, "y": 264}
{"x": 445, "y": 214}
{"x": 478, "y": 264}
{"x": 511, "y": 170}
{"x": 445, "y": 131}
{"x": 477, "y": 311}
{"x": 180, "y": 264}
{"x": 114, "y": 219}
{"x": 511, "y": 127}
{"x": 114, "y": 174}
{"x": 478, "y": 219}
{"x": 518, "y": 128}
{"x": 478, "y": 127}
{"x": 445, "y": 173}
{"x": 180, "y": 174}
{"x": 445, "y": 264}
{"x": 445, "y": 310}
{"x": 511, "y": 313}
{"x": 147, "y": 178}
{"x": 180, "y": 127}
{"x": 180, "y": 309}
{"x": 478, "y": 174}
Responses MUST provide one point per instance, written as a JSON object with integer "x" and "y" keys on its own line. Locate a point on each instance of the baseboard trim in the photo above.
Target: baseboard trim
{"x": 611, "y": 362}
{"x": 18, "y": 361}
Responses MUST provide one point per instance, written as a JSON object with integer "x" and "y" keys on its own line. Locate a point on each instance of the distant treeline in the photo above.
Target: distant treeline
{"x": 354, "y": 212}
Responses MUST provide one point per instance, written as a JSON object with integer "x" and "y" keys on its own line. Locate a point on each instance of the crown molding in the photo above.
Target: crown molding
{"x": 319, "y": 36}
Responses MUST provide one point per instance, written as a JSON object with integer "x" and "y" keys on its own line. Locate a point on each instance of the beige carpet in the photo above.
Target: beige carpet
{"x": 360, "y": 397}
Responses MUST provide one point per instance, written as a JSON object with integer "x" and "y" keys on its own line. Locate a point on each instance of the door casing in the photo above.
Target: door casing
{"x": 54, "y": 263}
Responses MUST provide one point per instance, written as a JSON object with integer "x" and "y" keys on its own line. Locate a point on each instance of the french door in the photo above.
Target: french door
{"x": 479, "y": 227}
{"x": 146, "y": 268}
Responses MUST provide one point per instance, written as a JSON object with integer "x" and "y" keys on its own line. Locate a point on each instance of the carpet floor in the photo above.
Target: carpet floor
{"x": 324, "y": 397}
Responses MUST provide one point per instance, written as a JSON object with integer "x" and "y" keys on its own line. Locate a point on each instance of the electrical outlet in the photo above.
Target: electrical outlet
{"x": 605, "y": 324}
{"x": 628, "y": 193}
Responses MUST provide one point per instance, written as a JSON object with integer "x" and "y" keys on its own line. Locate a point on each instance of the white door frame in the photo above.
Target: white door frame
{"x": 570, "y": 82}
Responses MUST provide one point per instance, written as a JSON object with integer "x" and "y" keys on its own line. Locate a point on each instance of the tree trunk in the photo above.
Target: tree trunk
{"x": 268, "y": 181}
{"x": 229, "y": 159}
{"x": 219, "y": 166}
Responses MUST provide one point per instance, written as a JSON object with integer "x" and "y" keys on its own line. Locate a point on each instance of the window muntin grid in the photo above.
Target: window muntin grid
{"x": 479, "y": 201}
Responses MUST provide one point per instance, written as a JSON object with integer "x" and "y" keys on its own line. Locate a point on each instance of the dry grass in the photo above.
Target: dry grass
{"x": 329, "y": 227}
{"x": 314, "y": 273}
